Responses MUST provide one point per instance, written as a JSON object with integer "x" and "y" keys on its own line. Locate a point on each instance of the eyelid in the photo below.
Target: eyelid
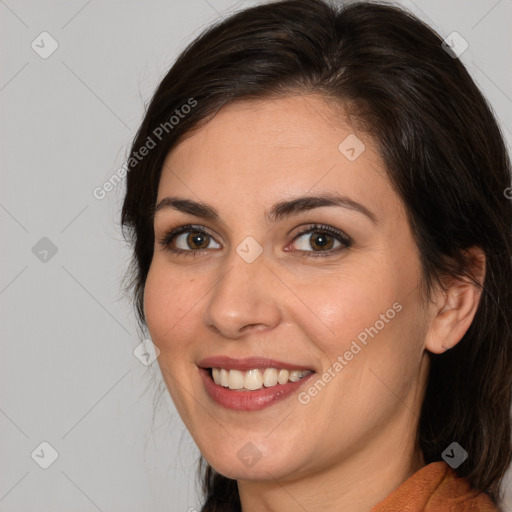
{"x": 315, "y": 227}
{"x": 170, "y": 235}
{"x": 344, "y": 239}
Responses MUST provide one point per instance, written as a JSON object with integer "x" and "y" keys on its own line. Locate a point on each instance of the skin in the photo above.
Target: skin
{"x": 354, "y": 442}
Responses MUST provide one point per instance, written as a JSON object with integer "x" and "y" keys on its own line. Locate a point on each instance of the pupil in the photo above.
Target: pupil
{"x": 197, "y": 239}
{"x": 320, "y": 240}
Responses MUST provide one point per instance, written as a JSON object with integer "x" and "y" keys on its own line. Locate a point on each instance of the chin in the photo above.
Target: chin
{"x": 260, "y": 470}
{"x": 252, "y": 463}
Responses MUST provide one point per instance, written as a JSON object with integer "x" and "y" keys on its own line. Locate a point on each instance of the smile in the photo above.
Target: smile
{"x": 255, "y": 379}
{"x": 250, "y": 400}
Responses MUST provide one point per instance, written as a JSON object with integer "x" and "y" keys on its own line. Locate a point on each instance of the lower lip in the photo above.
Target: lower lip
{"x": 249, "y": 400}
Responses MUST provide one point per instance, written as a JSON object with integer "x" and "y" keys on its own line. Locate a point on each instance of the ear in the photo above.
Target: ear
{"x": 455, "y": 305}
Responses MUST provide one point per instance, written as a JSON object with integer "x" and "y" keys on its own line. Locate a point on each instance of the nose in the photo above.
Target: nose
{"x": 244, "y": 298}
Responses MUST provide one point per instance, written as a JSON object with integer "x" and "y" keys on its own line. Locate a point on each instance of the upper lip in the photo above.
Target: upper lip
{"x": 249, "y": 363}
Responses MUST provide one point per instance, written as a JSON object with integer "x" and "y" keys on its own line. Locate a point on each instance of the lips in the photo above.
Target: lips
{"x": 254, "y": 400}
{"x": 239, "y": 400}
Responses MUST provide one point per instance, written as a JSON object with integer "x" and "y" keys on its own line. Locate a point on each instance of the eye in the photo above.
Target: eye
{"x": 187, "y": 239}
{"x": 190, "y": 240}
{"x": 322, "y": 239}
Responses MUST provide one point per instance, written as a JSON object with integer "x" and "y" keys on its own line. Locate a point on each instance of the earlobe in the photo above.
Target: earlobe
{"x": 455, "y": 306}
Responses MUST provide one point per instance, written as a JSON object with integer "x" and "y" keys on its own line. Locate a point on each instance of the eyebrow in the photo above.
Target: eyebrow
{"x": 278, "y": 211}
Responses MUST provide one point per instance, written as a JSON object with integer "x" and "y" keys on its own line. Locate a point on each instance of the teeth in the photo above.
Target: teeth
{"x": 235, "y": 379}
{"x": 294, "y": 375}
{"x": 269, "y": 377}
{"x": 255, "y": 379}
{"x": 224, "y": 378}
{"x": 252, "y": 379}
{"x": 282, "y": 378}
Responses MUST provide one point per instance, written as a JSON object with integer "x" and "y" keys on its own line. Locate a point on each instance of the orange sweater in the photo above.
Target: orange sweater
{"x": 435, "y": 488}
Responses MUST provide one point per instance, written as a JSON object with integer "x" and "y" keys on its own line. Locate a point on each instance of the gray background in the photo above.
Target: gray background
{"x": 67, "y": 372}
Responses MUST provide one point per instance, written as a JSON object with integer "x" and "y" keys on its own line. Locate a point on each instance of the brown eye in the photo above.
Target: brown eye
{"x": 321, "y": 239}
{"x": 197, "y": 240}
{"x": 187, "y": 239}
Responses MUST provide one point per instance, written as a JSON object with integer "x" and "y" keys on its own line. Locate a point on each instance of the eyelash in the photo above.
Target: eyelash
{"x": 169, "y": 237}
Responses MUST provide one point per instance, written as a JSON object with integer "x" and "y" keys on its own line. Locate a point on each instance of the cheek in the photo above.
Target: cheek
{"x": 155, "y": 299}
{"x": 168, "y": 306}
{"x": 372, "y": 319}
{"x": 349, "y": 304}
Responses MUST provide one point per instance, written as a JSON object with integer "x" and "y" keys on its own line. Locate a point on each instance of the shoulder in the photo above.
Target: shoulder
{"x": 436, "y": 488}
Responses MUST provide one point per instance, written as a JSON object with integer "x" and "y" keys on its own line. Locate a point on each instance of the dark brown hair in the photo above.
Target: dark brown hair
{"x": 444, "y": 155}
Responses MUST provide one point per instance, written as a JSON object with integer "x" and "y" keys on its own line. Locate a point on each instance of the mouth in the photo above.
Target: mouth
{"x": 251, "y": 384}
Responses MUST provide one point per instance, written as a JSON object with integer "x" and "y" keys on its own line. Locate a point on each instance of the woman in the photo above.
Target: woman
{"x": 322, "y": 255}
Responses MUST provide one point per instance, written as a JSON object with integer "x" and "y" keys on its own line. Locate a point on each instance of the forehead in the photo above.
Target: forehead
{"x": 276, "y": 148}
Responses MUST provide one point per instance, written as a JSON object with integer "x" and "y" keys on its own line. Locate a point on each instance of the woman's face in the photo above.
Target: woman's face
{"x": 282, "y": 285}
